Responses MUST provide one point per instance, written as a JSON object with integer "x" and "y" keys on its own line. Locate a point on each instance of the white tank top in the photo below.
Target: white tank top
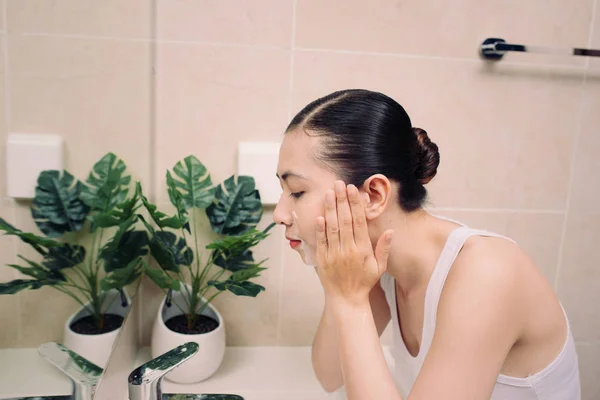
{"x": 558, "y": 381}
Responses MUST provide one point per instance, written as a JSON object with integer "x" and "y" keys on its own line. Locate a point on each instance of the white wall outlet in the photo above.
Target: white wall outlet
{"x": 27, "y": 155}
{"x": 259, "y": 160}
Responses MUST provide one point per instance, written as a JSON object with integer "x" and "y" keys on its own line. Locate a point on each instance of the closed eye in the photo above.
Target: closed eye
{"x": 297, "y": 195}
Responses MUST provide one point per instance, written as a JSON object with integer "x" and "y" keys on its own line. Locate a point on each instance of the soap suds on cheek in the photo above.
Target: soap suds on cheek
{"x": 307, "y": 251}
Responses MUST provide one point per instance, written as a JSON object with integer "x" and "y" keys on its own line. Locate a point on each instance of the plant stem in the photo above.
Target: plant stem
{"x": 111, "y": 303}
{"x": 96, "y": 300}
{"x": 206, "y": 269}
{"x": 82, "y": 276}
{"x": 211, "y": 298}
{"x": 69, "y": 293}
{"x": 187, "y": 290}
{"x": 99, "y": 244}
{"x": 83, "y": 291}
{"x": 183, "y": 312}
{"x": 91, "y": 257}
{"x": 214, "y": 278}
{"x": 74, "y": 284}
{"x": 189, "y": 296}
{"x": 195, "y": 234}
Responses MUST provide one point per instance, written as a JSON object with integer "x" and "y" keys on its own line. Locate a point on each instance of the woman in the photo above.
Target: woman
{"x": 472, "y": 316}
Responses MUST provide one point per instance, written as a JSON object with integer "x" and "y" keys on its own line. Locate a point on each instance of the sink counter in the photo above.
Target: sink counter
{"x": 255, "y": 373}
{"x": 23, "y": 372}
{"x": 260, "y": 373}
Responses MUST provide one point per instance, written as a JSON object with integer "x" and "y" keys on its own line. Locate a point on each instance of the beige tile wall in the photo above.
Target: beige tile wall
{"x": 519, "y": 139}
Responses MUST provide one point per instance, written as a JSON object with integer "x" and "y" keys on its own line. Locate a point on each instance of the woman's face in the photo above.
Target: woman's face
{"x": 304, "y": 183}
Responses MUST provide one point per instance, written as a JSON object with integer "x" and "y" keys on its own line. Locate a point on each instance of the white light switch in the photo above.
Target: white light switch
{"x": 259, "y": 160}
{"x": 27, "y": 155}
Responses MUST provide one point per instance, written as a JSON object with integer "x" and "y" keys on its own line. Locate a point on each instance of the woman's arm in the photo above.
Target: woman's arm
{"x": 365, "y": 371}
{"x": 325, "y": 349}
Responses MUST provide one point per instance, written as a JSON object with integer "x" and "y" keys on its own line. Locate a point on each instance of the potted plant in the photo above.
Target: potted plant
{"x": 186, "y": 314}
{"x": 99, "y": 213}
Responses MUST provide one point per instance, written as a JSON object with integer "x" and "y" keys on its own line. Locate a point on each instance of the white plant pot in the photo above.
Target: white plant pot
{"x": 96, "y": 348}
{"x": 211, "y": 344}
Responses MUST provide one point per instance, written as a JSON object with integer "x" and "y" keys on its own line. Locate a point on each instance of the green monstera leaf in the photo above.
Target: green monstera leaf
{"x": 161, "y": 219}
{"x": 18, "y": 285}
{"x": 106, "y": 185}
{"x": 39, "y": 243}
{"x": 161, "y": 278}
{"x": 177, "y": 200}
{"x": 57, "y": 207}
{"x": 244, "y": 288}
{"x": 123, "y": 248}
{"x": 233, "y": 261}
{"x": 248, "y": 273}
{"x": 65, "y": 256}
{"x": 236, "y": 208}
{"x": 38, "y": 271}
{"x": 194, "y": 184}
{"x": 119, "y": 278}
{"x": 233, "y": 252}
{"x": 122, "y": 213}
{"x": 43, "y": 276}
{"x": 170, "y": 251}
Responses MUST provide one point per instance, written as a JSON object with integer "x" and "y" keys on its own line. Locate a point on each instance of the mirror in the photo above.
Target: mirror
{"x": 78, "y": 71}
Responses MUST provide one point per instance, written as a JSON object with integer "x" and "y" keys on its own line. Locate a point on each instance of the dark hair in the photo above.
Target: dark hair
{"x": 368, "y": 133}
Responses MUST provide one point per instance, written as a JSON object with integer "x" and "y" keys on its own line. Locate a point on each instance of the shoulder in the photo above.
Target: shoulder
{"x": 486, "y": 284}
{"x": 488, "y": 260}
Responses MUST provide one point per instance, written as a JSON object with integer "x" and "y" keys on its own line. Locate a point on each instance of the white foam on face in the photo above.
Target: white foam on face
{"x": 306, "y": 249}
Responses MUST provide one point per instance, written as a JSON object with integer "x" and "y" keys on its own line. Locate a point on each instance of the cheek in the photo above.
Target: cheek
{"x": 306, "y": 223}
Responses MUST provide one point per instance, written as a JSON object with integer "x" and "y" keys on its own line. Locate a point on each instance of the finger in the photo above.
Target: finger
{"x": 344, "y": 216}
{"x": 382, "y": 250}
{"x": 359, "y": 220}
{"x": 331, "y": 223}
{"x": 321, "y": 241}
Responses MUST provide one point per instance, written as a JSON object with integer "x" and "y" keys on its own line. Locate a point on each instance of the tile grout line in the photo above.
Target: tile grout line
{"x": 278, "y": 336}
{"x": 165, "y": 202}
{"x": 578, "y": 133}
{"x": 595, "y": 6}
{"x": 7, "y": 125}
{"x": 151, "y": 146}
{"x": 434, "y": 58}
{"x": 499, "y": 210}
{"x": 307, "y": 49}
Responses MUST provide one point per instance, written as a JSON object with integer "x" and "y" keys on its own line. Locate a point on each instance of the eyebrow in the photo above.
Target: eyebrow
{"x": 287, "y": 174}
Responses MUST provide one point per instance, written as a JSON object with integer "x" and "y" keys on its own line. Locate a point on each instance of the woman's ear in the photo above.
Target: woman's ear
{"x": 377, "y": 190}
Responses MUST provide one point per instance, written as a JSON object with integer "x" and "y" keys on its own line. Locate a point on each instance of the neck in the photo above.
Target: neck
{"x": 418, "y": 240}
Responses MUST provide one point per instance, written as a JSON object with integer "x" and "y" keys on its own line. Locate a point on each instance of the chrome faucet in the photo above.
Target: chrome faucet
{"x": 145, "y": 381}
{"x": 84, "y": 374}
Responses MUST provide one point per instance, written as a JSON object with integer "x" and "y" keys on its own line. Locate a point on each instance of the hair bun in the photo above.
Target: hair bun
{"x": 428, "y": 157}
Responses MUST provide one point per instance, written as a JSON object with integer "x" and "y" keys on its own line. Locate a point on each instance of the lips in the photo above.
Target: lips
{"x": 294, "y": 242}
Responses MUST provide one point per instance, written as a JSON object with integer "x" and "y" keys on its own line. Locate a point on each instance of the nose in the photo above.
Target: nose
{"x": 281, "y": 215}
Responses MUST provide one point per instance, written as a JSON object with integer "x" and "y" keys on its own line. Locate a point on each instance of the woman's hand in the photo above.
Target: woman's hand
{"x": 347, "y": 266}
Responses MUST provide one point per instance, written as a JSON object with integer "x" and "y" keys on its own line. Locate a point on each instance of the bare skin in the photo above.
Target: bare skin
{"x": 511, "y": 322}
